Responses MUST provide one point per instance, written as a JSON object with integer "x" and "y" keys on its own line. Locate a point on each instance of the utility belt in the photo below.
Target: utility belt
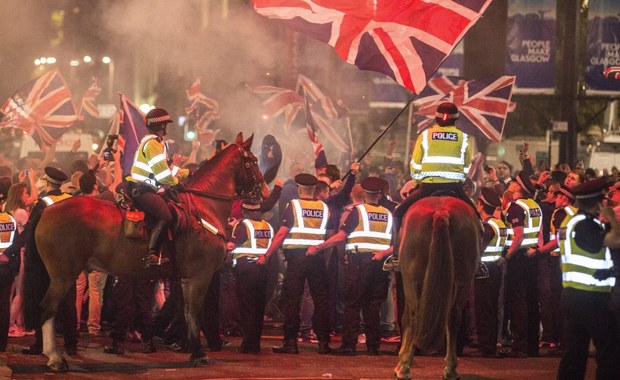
{"x": 245, "y": 259}
{"x": 138, "y": 188}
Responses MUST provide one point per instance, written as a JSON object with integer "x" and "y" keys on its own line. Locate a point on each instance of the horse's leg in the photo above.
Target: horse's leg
{"x": 407, "y": 348}
{"x": 57, "y": 290}
{"x": 454, "y": 321}
{"x": 194, "y": 292}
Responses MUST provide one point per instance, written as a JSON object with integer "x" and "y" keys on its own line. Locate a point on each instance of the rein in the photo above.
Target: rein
{"x": 205, "y": 194}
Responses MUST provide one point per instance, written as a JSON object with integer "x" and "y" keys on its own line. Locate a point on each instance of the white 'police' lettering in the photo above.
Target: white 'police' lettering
{"x": 312, "y": 213}
{"x": 262, "y": 234}
{"x": 376, "y": 216}
{"x": 447, "y": 136}
{"x": 6, "y": 227}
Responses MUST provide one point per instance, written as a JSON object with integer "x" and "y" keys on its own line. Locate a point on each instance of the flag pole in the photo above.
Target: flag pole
{"x": 382, "y": 134}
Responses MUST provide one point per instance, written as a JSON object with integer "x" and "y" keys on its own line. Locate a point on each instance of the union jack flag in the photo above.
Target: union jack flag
{"x": 483, "y": 104}
{"x": 612, "y": 72}
{"x": 405, "y": 39}
{"x": 132, "y": 130}
{"x": 320, "y": 158}
{"x": 196, "y": 98}
{"x": 88, "y": 100}
{"x": 281, "y": 101}
{"x": 42, "y": 108}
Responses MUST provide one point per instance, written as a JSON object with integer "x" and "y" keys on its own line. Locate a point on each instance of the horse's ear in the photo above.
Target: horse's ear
{"x": 239, "y": 138}
{"x": 248, "y": 143}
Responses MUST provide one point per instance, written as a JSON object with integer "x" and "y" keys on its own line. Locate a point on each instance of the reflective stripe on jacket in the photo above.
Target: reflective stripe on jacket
{"x": 310, "y": 224}
{"x": 570, "y": 211}
{"x": 578, "y": 265}
{"x": 373, "y": 231}
{"x": 259, "y": 235}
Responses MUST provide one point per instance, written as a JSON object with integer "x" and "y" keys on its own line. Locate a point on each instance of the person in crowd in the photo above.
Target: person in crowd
{"x": 150, "y": 172}
{"x": 53, "y": 178}
{"x": 487, "y": 289}
{"x": 585, "y": 299}
{"x": 573, "y": 178}
{"x": 524, "y": 218}
{"x": 250, "y": 240}
{"x": 368, "y": 233}
{"x": 306, "y": 222}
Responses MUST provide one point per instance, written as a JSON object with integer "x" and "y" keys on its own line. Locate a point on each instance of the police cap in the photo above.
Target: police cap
{"x": 306, "y": 180}
{"x": 591, "y": 189}
{"x": 566, "y": 191}
{"x": 373, "y": 185}
{"x": 447, "y": 111}
{"x": 489, "y": 197}
{"x": 251, "y": 205}
{"x": 54, "y": 176}
{"x": 525, "y": 183}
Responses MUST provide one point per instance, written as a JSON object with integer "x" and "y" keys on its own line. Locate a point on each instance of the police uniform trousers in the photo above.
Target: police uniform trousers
{"x": 134, "y": 308}
{"x": 587, "y": 315}
{"x": 428, "y": 189}
{"x": 6, "y": 281}
{"x": 486, "y": 308}
{"x": 300, "y": 268}
{"x": 522, "y": 286}
{"x": 366, "y": 286}
{"x": 251, "y": 291}
{"x": 153, "y": 205}
{"x": 549, "y": 296}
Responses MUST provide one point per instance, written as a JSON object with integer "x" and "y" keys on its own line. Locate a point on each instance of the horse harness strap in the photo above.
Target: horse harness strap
{"x": 211, "y": 228}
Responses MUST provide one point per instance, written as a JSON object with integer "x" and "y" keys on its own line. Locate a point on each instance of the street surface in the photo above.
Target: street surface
{"x": 92, "y": 363}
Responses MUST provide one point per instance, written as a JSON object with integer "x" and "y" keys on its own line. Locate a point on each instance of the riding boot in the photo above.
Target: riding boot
{"x": 288, "y": 347}
{"x": 153, "y": 255}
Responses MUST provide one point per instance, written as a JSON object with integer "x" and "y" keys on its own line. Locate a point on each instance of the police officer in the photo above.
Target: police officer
{"x": 250, "y": 240}
{"x": 8, "y": 230}
{"x": 524, "y": 218}
{"x": 368, "y": 232}
{"x": 441, "y": 159}
{"x": 306, "y": 223}
{"x": 487, "y": 289}
{"x": 550, "y": 272}
{"x": 52, "y": 194}
{"x": 151, "y": 171}
{"x": 585, "y": 299}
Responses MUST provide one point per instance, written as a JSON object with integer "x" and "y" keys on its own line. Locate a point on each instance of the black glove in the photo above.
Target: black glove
{"x": 604, "y": 274}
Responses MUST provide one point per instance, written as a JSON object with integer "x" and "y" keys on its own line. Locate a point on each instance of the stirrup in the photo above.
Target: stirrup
{"x": 482, "y": 272}
{"x": 391, "y": 264}
{"x": 154, "y": 259}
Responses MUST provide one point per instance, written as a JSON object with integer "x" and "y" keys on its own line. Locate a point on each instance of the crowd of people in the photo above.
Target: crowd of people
{"x": 319, "y": 254}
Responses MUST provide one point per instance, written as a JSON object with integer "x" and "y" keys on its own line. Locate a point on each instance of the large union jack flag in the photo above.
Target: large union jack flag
{"x": 42, "y": 108}
{"x": 482, "y": 104}
{"x": 88, "y": 100}
{"x": 404, "y": 39}
{"x": 131, "y": 131}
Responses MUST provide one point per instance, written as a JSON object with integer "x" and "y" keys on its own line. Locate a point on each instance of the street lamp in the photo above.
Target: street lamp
{"x": 108, "y": 61}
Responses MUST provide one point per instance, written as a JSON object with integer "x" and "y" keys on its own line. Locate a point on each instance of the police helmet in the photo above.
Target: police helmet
{"x": 156, "y": 119}
{"x": 446, "y": 114}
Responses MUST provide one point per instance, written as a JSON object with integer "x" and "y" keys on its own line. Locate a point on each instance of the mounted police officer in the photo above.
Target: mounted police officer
{"x": 368, "y": 233}
{"x": 306, "y": 222}
{"x": 585, "y": 299}
{"x": 250, "y": 239}
{"x": 151, "y": 171}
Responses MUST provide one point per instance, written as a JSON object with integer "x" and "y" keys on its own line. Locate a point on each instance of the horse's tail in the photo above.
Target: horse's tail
{"x": 437, "y": 289}
{"x": 36, "y": 282}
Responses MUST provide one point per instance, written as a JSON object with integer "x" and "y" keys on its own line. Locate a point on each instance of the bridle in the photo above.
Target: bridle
{"x": 250, "y": 165}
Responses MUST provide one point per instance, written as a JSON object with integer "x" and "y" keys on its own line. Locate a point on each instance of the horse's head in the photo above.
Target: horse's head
{"x": 249, "y": 181}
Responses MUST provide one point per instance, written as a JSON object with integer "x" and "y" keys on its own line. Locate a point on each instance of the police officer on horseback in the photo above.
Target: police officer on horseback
{"x": 151, "y": 171}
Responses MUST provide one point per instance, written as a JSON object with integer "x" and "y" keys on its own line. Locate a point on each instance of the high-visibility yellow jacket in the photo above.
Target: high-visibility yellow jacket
{"x": 310, "y": 224}
{"x": 578, "y": 265}
{"x": 8, "y": 226}
{"x": 441, "y": 155}
{"x": 150, "y": 164}
{"x": 259, "y": 235}
{"x": 531, "y": 223}
{"x": 493, "y": 250}
{"x": 569, "y": 211}
{"x": 373, "y": 231}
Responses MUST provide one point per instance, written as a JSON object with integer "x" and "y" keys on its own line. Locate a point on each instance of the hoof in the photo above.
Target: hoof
{"x": 61, "y": 366}
{"x": 200, "y": 360}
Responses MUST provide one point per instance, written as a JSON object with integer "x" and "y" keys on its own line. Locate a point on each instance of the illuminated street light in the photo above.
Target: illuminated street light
{"x": 37, "y": 62}
{"x": 87, "y": 59}
{"x": 51, "y": 60}
{"x": 43, "y": 60}
{"x": 74, "y": 62}
{"x": 145, "y": 107}
{"x": 106, "y": 59}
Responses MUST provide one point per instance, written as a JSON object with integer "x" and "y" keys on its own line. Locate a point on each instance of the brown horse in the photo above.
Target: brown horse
{"x": 85, "y": 232}
{"x": 439, "y": 252}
